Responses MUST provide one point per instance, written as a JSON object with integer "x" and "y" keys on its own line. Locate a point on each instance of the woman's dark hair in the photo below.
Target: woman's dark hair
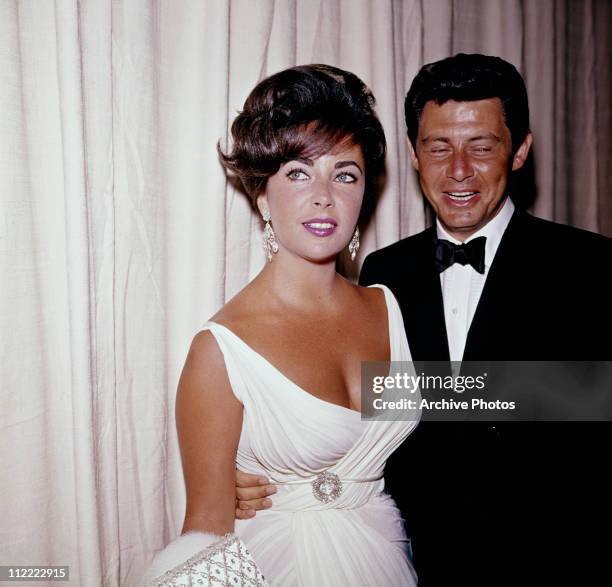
{"x": 465, "y": 78}
{"x": 303, "y": 112}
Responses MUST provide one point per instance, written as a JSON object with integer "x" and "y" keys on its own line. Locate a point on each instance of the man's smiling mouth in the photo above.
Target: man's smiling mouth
{"x": 461, "y": 196}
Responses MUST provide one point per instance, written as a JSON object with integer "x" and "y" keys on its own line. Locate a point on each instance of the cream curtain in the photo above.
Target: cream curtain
{"x": 119, "y": 234}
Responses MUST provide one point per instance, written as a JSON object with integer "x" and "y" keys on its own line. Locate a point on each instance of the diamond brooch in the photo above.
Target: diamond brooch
{"x": 327, "y": 487}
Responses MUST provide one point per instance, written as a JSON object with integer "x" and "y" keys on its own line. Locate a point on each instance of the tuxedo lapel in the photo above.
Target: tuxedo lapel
{"x": 407, "y": 268}
{"x": 423, "y": 307}
{"x": 483, "y": 336}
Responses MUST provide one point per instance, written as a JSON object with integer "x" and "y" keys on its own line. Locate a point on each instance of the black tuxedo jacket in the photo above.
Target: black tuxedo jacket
{"x": 516, "y": 503}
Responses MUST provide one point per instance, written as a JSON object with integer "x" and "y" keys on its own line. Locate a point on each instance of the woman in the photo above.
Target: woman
{"x": 272, "y": 382}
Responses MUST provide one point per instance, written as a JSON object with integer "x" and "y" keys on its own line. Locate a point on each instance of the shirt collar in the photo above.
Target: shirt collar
{"x": 493, "y": 230}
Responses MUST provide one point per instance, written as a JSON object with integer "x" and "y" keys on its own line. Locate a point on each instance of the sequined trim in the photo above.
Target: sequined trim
{"x": 226, "y": 562}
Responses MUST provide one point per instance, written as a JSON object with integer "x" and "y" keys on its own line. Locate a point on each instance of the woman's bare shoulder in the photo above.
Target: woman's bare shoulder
{"x": 204, "y": 361}
{"x": 370, "y": 306}
{"x": 204, "y": 379}
{"x": 240, "y": 312}
{"x": 373, "y": 297}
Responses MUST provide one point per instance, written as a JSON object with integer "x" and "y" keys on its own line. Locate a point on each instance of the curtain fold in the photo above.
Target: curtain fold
{"x": 120, "y": 234}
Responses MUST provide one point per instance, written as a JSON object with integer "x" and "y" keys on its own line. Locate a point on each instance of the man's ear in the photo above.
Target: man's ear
{"x": 262, "y": 205}
{"x": 521, "y": 154}
{"x": 412, "y": 154}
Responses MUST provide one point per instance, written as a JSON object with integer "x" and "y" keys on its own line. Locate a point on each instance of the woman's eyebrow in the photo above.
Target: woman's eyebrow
{"x": 346, "y": 164}
{"x": 303, "y": 160}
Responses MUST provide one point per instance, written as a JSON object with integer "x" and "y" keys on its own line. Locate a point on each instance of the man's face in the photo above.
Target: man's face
{"x": 463, "y": 155}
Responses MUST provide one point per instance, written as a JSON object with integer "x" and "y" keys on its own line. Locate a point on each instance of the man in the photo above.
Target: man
{"x": 512, "y": 503}
{"x": 468, "y": 130}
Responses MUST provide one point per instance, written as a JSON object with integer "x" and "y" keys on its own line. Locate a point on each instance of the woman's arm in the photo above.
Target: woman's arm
{"x": 208, "y": 420}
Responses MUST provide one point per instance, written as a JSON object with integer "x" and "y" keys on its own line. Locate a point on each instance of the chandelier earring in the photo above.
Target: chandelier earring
{"x": 354, "y": 244}
{"x": 269, "y": 239}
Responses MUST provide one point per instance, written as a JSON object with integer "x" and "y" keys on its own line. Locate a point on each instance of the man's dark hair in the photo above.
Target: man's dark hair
{"x": 465, "y": 78}
{"x": 303, "y": 112}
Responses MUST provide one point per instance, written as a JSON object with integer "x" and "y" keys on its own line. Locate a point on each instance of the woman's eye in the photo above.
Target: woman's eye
{"x": 297, "y": 175}
{"x": 346, "y": 177}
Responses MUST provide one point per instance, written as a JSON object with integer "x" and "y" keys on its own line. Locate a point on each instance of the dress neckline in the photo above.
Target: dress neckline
{"x": 292, "y": 383}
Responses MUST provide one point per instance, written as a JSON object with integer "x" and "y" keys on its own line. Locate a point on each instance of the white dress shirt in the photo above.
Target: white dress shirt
{"x": 462, "y": 285}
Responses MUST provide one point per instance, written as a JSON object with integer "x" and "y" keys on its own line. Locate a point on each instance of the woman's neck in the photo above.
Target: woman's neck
{"x": 298, "y": 283}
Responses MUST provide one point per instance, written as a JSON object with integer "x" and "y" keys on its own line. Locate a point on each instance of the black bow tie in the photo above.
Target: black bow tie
{"x": 447, "y": 253}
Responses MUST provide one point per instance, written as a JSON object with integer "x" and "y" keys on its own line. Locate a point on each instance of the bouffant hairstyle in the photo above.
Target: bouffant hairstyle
{"x": 465, "y": 78}
{"x": 302, "y": 113}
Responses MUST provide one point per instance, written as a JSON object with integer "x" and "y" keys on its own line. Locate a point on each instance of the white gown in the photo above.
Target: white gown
{"x": 291, "y": 436}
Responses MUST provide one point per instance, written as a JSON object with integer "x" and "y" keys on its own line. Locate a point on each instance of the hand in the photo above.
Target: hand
{"x": 251, "y": 494}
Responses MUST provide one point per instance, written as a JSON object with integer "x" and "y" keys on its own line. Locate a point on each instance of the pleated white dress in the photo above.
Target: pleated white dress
{"x": 291, "y": 437}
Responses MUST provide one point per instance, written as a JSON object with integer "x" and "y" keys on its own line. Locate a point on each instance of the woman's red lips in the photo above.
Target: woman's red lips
{"x": 320, "y": 226}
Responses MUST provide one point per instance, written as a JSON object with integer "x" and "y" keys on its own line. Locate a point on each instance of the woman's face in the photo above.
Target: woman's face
{"x": 314, "y": 204}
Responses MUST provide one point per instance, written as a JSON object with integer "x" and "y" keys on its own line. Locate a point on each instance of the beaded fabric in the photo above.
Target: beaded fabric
{"x": 226, "y": 562}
